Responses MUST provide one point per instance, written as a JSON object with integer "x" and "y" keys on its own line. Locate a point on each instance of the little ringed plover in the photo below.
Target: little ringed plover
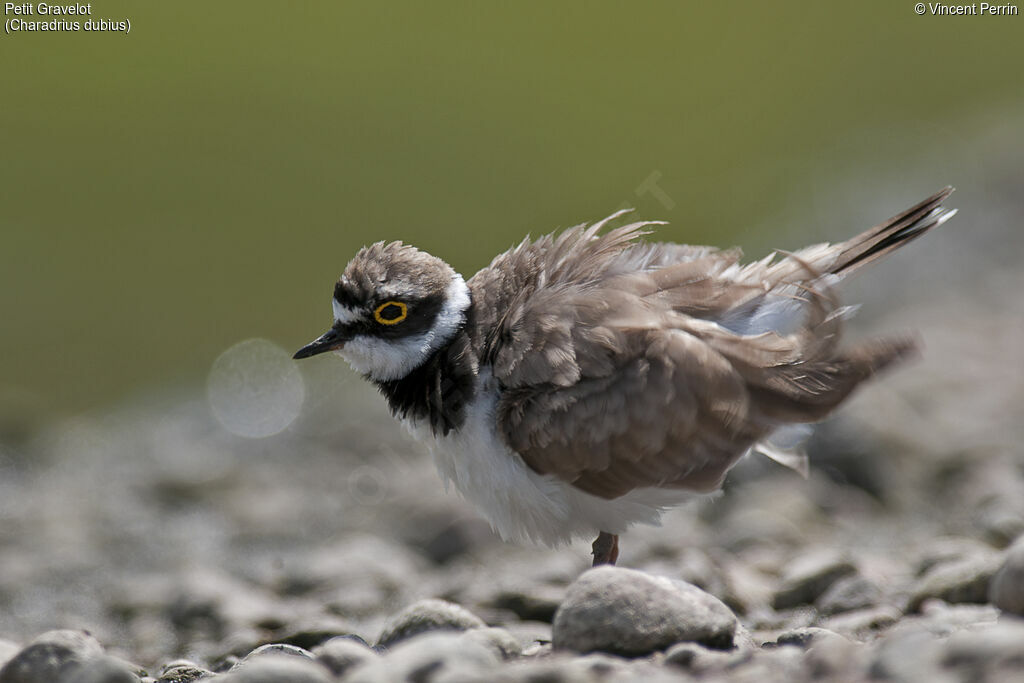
{"x": 587, "y": 381}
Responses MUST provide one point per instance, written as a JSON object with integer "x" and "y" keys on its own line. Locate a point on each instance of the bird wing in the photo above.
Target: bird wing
{"x": 616, "y": 402}
{"x": 626, "y": 365}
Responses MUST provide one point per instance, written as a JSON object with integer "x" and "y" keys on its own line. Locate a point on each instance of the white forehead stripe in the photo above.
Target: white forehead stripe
{"x": 343, "y": 314}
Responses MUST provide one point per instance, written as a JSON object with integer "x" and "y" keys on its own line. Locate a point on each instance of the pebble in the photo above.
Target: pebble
{"x": 357, "y": 576}
{"x": 632, "y": 613}
{"x": 806, "y": 636}
{"x": 533, "y": 603}
{"x": 427, "y": 615}
{"x": 847, "y": 594}
{"x": 745, "y": 588}
{"x": 104, "y": 669}
{"x": 910, "y": 655}
{"x": 863, "y": 623}
{"x": 951, "y": 549}
{"x": 838, "y": 659}
{"x": 430, "y": 656}
{"x": 277, "y": 668}
{"x": 343, "y": 654}
{"x": 600, "y": 667}
{"x": 277, "y": 650}
{"x": 696, "y": 657}
{"x": 778, "y": 664}
{"x": 310, "y": 632}
{"x": 52, "y": 656}
{"x": 1006, "y": 590}
{"x": 529, "y": 633}
{"x": 504, "y": 643}
{"x": 208, "y": 603}
{"x": 182, "y": 671}
{"x": 943, "y": 619}
{"x": 964, "y": 580}
{"x": 809, "y": 576}
{"x": 444, "y": 534}
{"x": 990, "y": 653}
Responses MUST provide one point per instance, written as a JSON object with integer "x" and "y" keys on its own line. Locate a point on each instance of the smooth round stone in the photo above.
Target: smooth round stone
{"x": 632, "y": 613}
{"x": 427, "y": 615}
{"x": 343, "y": 654}
{"x": 277, "y": 650}
{"x": 53, "y": 656}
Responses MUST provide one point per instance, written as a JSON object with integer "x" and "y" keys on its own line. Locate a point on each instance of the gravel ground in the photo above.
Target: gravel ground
{"x": 152, "y": 543}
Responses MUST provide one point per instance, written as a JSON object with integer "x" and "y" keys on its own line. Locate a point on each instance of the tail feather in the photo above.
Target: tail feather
{"x": 893, "y": 233}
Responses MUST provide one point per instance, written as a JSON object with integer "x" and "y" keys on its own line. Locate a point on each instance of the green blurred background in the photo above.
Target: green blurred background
{"x": 205, "y": 178}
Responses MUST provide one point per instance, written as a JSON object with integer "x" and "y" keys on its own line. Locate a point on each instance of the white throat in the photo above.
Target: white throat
{"x": 385, "y": 360}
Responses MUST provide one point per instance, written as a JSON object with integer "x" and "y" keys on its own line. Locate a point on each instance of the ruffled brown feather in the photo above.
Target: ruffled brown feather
{"x": 626, "y": 365}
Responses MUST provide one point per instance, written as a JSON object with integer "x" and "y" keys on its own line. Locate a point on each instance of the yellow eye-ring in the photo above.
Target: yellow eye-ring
{"x": 391, "y": 313}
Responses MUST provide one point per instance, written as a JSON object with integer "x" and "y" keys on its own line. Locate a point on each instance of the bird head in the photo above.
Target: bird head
{"x": 394, "y": 306}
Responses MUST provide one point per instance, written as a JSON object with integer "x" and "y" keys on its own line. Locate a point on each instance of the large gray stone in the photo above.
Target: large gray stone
{"x": 53, "y": 656}
{"x": 631, "y": 613}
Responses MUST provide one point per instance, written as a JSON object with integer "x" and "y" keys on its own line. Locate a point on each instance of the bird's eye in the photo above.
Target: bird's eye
{"x": 391, "y": 313}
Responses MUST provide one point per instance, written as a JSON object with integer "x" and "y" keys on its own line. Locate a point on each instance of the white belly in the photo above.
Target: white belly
{"x": 519, "y": 503}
